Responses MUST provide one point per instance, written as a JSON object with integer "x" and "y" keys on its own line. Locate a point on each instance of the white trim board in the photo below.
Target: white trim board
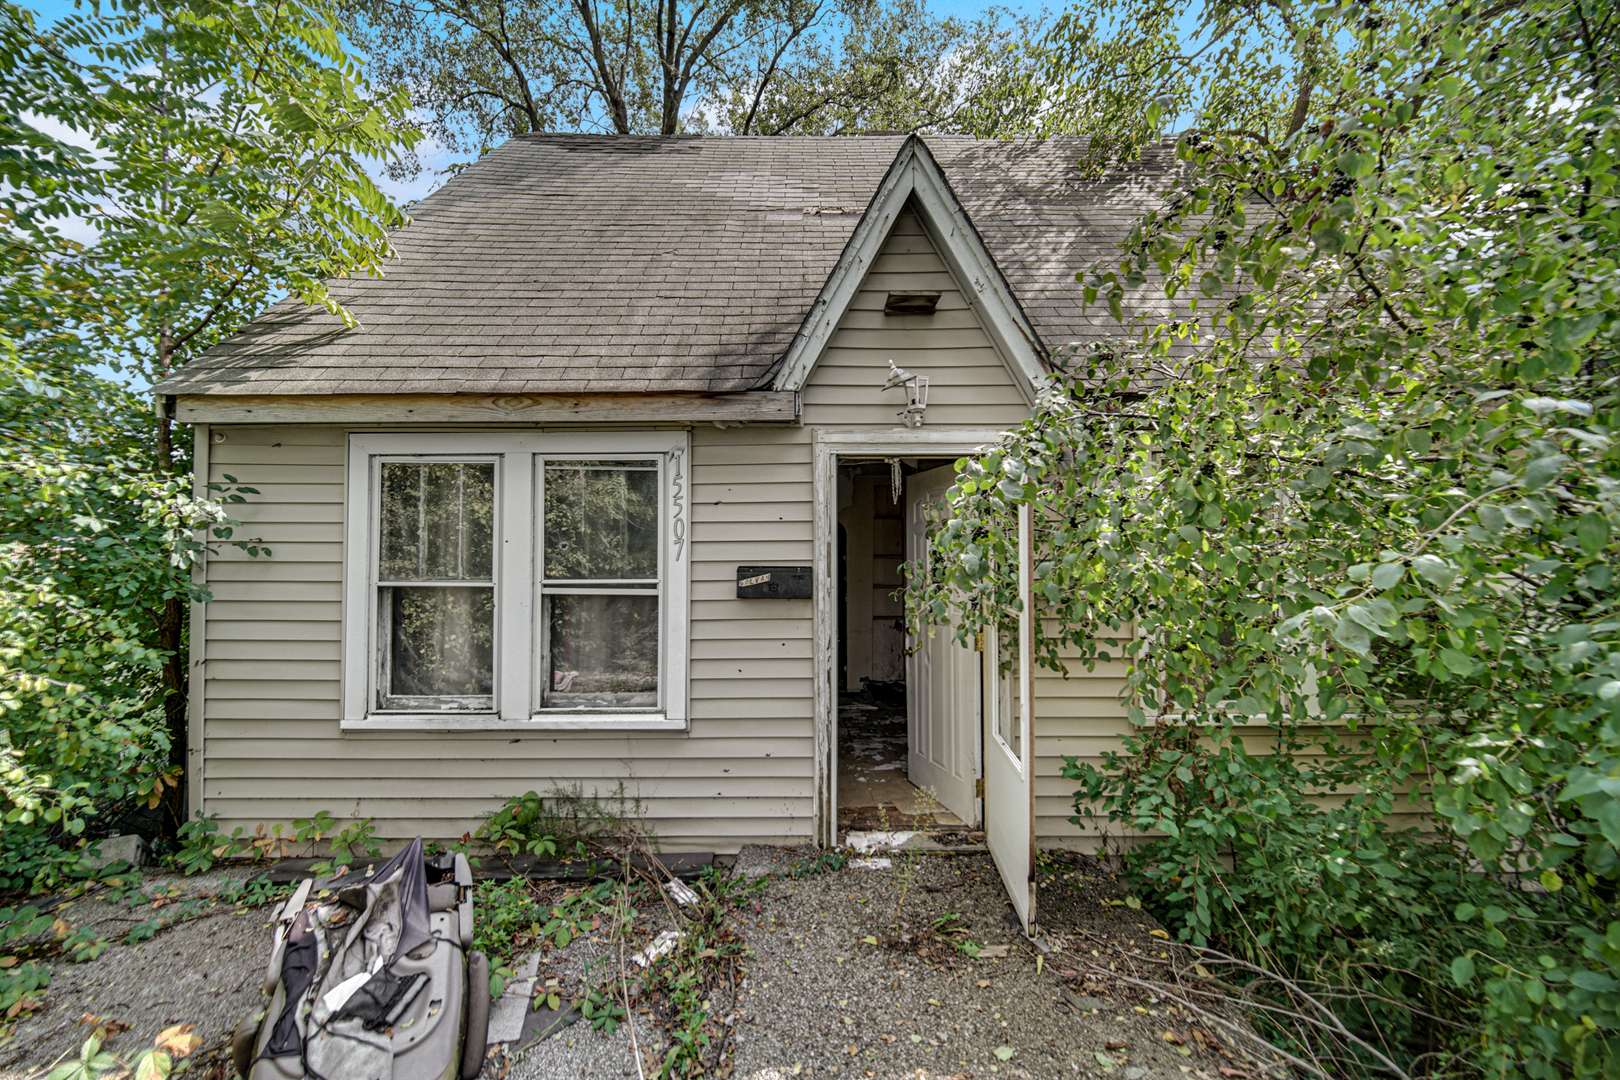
{"x": 916, "y": 177}
{"x": 828, "y": 446}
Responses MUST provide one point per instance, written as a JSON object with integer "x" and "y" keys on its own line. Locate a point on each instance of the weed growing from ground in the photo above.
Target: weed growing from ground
{"x": 602, "y": 1009}
{"x": 563, "y": 822}
{"x": 27, "y": 936}
{"x": 201, "y": 845}
{"x": 173, "y": 908}
{"x": 815, "y": 864}
{"x": 706, "y": 965}
{"x": 520, "y": 915}
{"x": 911, "y": 857}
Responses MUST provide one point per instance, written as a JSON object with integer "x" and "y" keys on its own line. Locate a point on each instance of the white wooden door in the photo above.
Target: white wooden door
{"x": 1009, "y": 747}
{"x": 942, "y": 682}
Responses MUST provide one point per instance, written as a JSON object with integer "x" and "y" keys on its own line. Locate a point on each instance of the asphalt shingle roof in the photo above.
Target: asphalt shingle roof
{"x": 580, "y": 264}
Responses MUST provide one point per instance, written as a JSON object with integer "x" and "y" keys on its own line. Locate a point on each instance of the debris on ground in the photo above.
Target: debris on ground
{"x": 794, "y": 963}
{"x": 661, "y": 945}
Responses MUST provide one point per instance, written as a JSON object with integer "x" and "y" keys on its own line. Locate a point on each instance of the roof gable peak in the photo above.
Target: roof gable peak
{"x": 915, "y": 178}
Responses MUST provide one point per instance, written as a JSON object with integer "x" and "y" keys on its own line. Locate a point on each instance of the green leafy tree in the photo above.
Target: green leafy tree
{"x": 879, "y": 67}
{"x": 217, "y": 160}
{"x": 1121, "y": 71}
{"x": 1360, "y": 499}
{"x": 482, "y": 70}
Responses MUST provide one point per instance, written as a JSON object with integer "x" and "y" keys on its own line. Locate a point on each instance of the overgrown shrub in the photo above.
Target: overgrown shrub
{"x": 81, "y": 691}
{"x": 1352, "y": 462}
{"x": 1281, "y": 855}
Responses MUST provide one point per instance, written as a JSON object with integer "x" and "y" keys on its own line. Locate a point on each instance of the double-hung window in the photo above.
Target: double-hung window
{"x": 516, "y": 579}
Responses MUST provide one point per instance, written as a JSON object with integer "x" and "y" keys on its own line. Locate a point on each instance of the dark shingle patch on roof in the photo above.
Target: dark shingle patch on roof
{"x": 1044, "y": 219}
{"x": 574, "y": 264}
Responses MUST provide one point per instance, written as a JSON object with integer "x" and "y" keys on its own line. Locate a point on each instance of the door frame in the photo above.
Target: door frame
{"x": 828, "y": 445}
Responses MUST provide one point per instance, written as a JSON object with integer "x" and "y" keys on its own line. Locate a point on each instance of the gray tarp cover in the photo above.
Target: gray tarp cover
{"x": 328, "y": 943}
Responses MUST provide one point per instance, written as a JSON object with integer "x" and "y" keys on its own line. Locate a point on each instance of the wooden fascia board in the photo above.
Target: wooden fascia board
{"x": 916, "y": 173}
{"x": 752, "y": 406}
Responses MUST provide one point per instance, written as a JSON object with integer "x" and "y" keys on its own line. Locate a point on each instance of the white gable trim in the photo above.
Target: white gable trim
{"x": 915, "y": 175}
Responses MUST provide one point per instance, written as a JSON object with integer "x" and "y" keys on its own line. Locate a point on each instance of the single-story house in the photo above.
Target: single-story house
{"x": 613, "y": 480}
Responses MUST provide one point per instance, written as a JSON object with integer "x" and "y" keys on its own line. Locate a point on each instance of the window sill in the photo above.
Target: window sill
{"x": 597, "y": 722}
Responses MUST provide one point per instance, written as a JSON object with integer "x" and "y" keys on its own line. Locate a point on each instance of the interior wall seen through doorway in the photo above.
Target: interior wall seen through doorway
{"x": 874, "y": 547}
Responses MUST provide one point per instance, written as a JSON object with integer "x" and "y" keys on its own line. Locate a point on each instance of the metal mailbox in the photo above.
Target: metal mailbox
{"x": 773, "y": 582}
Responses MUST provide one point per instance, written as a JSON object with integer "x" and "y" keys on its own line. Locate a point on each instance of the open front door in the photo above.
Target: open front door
{"x": 942, "y": 681}
{"x": 1009, "y": 746}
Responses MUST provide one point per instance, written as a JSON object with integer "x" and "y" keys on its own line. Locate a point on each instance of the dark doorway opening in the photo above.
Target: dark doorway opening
{"x": 874, "y": 791}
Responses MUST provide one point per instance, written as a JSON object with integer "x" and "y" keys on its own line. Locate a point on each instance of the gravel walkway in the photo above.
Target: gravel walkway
{"x": 207, "y": 971}
{"x": 847, "y": 979}
{"x": 849, "y": 973}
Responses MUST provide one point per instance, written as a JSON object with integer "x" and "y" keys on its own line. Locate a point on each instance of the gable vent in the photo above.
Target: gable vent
{"x": 911, "y": 303}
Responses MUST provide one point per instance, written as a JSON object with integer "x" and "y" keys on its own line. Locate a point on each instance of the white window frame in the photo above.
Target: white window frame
{"x": 518, "y": 456}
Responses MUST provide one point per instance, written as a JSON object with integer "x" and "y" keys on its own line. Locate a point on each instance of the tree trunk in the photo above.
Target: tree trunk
{"x": 1302, "y": 104}
{"x": 171, "y": 639}
{"x": 164, "y": 451}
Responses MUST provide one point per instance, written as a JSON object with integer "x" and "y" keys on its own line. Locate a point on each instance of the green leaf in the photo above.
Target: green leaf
{"x": 1003, "y": 1053}
{"x": 1542, "y": 471}
{"x": 1462, "y": 970}
{"x": 1435, "y": 570}
{"x": 1592, "y": 531}
{"x": 1387, "y": 575}
{"x": 153, "y": 1065}
{"x": 1608, "y": 820}
{"x": 1352, "y": 635}
{"x": 1328, "y": 240}
{"x": 1458, "y": 663}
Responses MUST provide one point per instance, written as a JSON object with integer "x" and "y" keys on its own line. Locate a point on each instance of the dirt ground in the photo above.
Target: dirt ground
{"x": 846, "y": 973}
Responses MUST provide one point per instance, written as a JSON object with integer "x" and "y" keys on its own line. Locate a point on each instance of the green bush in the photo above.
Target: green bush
{"x": 1351, "y": 465}
{"x": 79, "y": 683}
{"x": 1286, "y": 860}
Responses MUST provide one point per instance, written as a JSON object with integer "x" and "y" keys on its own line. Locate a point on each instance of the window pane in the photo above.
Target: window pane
{"x": 601, "y": 520}
{"x": 441, "y": 642}
{"x": 438, "y": 521}
{"x": 603, "y": 652}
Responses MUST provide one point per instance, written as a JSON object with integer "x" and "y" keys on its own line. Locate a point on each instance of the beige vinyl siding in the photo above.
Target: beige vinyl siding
{"x": 969, "y": 384}
{"x": 273, "y": 675}
{"x": 1078, "y": 716}
{"x": 744, "y": 771}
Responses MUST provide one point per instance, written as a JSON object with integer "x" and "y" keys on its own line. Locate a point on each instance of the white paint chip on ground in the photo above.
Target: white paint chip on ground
{"x": 871, "y": 864}
{"x": 507, "y": 1011}
{"x": 663, "y": 943}
{"x": 868, "y": 842}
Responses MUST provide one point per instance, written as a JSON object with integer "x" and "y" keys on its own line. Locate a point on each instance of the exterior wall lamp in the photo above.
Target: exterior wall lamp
{"x": 916, "y": 393}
